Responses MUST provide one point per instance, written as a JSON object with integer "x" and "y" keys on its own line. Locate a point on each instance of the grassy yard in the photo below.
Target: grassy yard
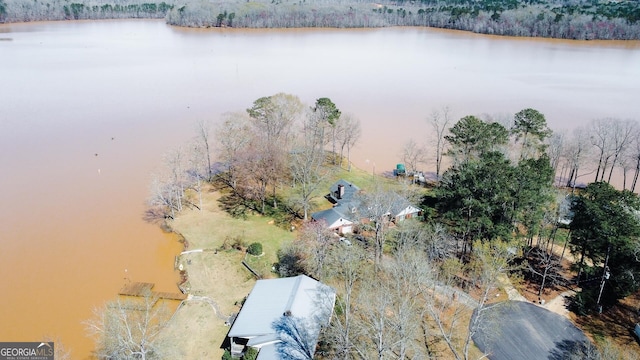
{"x": 216, "y": 276}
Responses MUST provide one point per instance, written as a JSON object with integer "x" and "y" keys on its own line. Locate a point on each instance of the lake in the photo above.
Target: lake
{"x": 87, "y": 109}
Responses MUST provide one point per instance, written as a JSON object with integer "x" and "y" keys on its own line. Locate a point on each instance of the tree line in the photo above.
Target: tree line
{"x": 41, "y": 10}
{"x": 555, "y": 19}
{"x": 592, "y": 152}
{"x": 547, "y": 18}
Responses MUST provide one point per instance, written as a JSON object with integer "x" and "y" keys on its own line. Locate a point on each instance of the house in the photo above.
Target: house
{"x": 343, "y": 215}
{"x": 402, "y": 209}
{"x": 336, "y": 219}
{"x": 269, "y": 300}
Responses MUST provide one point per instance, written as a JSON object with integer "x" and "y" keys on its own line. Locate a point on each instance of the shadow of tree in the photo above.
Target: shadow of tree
{"x": 616, "y": 322}
{"x": 235, "y": 205}
{"x": 155, "y": 215}
{"x": 573, "y": 349}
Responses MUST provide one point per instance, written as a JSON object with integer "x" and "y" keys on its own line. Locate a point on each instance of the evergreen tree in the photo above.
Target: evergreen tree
{"x": 475, "y": 200}
{"x": 606, "y": 230}
{"x": 471, "y": 137}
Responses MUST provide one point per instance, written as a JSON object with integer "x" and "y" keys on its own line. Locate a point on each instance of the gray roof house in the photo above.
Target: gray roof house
{"x": 300, "y": 296}
{"x": 342, "y": 216}
{"x": 336, "y": 219}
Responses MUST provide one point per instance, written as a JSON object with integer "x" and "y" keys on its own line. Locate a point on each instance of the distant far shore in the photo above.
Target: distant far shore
{"x": 546, "y": 18}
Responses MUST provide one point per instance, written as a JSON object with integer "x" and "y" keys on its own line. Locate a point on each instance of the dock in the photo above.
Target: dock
{"x": 143, "y": 289}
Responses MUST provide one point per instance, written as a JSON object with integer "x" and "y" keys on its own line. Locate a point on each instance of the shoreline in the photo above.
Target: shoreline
{"x": 320, "y": 28}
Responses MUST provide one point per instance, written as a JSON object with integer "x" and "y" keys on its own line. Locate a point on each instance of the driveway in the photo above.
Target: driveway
{"x": 521, "y": 330}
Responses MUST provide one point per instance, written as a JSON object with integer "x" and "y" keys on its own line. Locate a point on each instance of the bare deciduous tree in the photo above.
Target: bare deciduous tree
{"x": 272, "y": 120}
{"x": 375, "y": 207}
{"x": 317, "y": 241}
{"x": 446, "y": 306}
{"x": 296, "y": 341}
{"x": 169, "y": 184}
{"x": 233, "y": 136}
{"x": 576, "y": 152}
{"x": 306, "y": 165}
{"x": 60, "y": 352}
{"x": 601, "y": 137}
{"x": 623, "y": 132}
{"x": 199, "y": 162}
{"x": 348, "y": 134}
{"x": 377, "y": 337}
{"x": 203, "y": 136}
{"x": 264, "y": 165}
{"x": 635, "y": 155}
{"x": 555, "y": 149}
{"x": 490, "y": 261}
{"x": 128, "y": 329}
{"x": 408, "y": 268}
{"x": 347, "y": 267}
{"x": 439, "y": 122}
{"x": 413, "y": 155}
{"x": 546, "y": 265}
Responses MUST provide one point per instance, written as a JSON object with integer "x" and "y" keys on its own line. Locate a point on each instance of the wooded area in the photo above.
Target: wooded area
{"x": 579, "y": 19}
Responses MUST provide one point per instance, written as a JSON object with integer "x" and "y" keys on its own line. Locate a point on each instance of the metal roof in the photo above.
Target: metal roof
{"x": 302, "y": 296}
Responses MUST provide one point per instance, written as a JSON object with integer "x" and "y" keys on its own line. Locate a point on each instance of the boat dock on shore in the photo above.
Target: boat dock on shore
{"x": 143, "y": 289}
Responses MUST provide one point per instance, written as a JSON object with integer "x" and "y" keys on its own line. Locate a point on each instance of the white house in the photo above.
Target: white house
{"x": 336, "y": 219}
{"x": 300, "y": 296}
{"x": 402, "y": 209}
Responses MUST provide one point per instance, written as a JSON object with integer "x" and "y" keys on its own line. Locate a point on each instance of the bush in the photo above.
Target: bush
{"x": 290, "y": 261}
{"x": 255, "y": 249}
{"x": 227, "y": 355}
{"x": 250, "y": 354}
{"x": 235, "y": 242}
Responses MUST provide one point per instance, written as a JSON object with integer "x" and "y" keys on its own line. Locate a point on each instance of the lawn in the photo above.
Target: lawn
{"x": 216, "y": 276}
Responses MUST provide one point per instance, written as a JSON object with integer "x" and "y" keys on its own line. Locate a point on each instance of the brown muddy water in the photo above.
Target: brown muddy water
{"x": 88, "y": 108}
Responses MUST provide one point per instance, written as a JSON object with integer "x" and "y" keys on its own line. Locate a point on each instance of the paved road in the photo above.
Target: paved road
{"x": 524, "y": 331}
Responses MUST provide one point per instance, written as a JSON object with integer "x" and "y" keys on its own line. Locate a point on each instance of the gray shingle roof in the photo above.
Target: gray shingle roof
{"x": 330, "y": 216}
{"x": 350, "y": 190}
{"x": 345, "y": 204}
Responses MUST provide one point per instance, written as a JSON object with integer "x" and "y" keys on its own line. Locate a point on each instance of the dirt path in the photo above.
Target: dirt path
{"x": 508, "y": 287}
{"x": 212, "y": 303}
{"x": 557, "y": 305}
